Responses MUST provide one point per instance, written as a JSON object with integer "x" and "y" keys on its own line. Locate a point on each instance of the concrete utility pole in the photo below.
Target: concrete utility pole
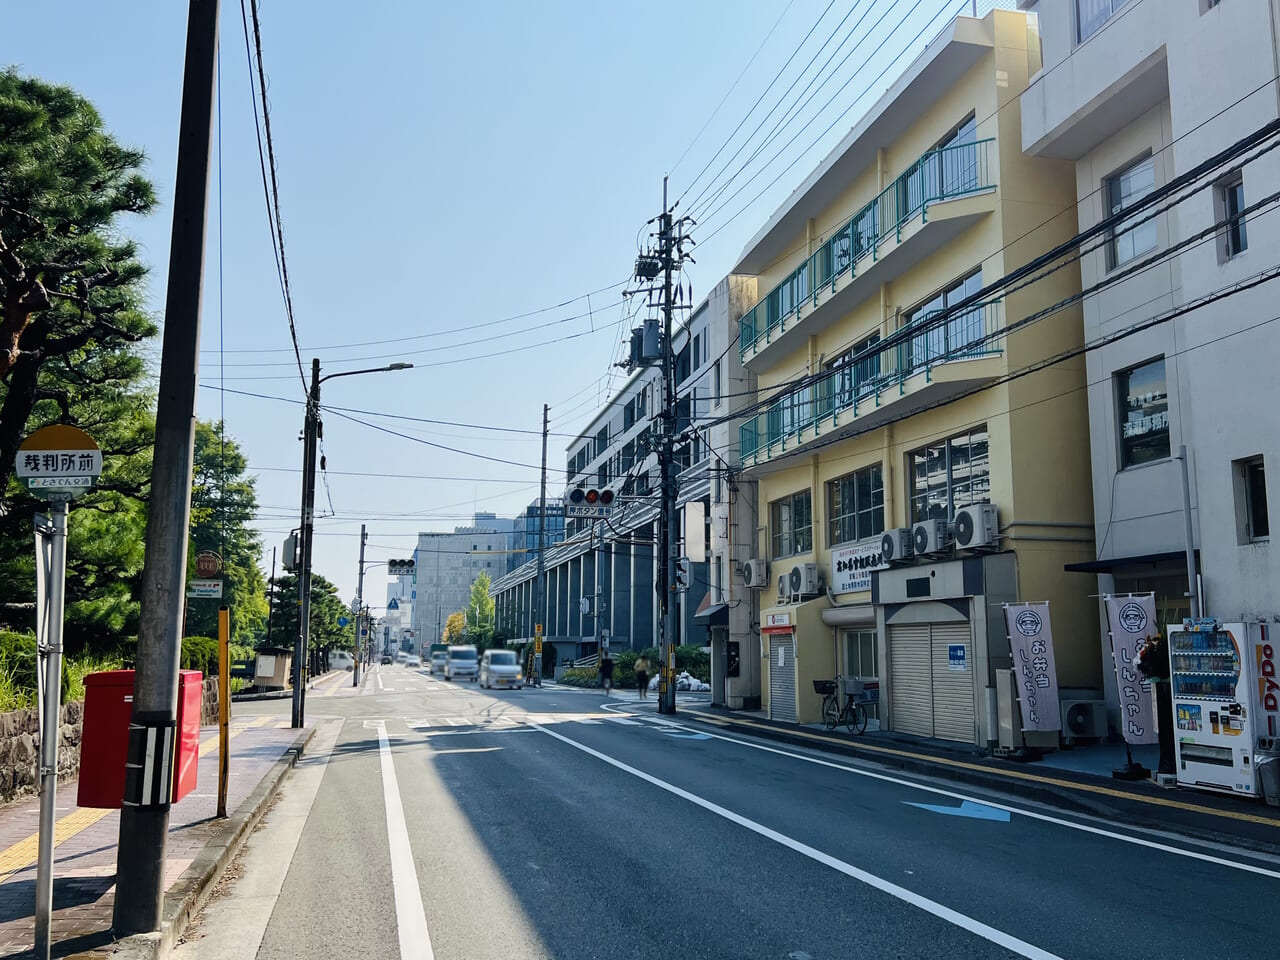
{"x": 355, "y": 673}
{"x": 670, "y": 514}
{"x": 144, "y": 817}
{"x": 540, "y": 603}
{"x": 1193, "y": 594}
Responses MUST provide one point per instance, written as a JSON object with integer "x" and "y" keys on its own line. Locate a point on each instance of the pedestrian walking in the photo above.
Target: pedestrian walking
{"x": 606, "y": 673}
{"x": 642, "y": 678}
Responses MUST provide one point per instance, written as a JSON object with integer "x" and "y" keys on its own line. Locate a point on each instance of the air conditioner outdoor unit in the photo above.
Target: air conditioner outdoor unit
{"x": 895, "y": 545}
{"x": 784, "y": 588}
{"x": 755, "y": 574}
{"x": 1084, "y": 718}
{"x": 977, "y": 526}
{"x": 929, "y": 537}
{"x": 804, "y": 580}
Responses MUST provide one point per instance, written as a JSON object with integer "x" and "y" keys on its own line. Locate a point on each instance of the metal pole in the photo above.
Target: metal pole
{"x": 540, "y": 599}
{"x": 144, "y": 819}
{"x": 1192, "y": 593}
{"x": 355, "y": 672}
{"x": 224, "y": 707}
{"x": 670, "y": 519}
{"x": 302, "y": 645}
{"x": 57, "y": 533}
{"x": 271, "y": 600}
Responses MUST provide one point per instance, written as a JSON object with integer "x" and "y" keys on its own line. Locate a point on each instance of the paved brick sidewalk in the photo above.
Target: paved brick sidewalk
{"x": 85, "y": 857}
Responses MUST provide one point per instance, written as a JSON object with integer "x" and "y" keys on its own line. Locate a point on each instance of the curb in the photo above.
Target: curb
{"x": 270, "y": 695}
{"x": 192, "y": 889}
{"x": 1132, "y": 812}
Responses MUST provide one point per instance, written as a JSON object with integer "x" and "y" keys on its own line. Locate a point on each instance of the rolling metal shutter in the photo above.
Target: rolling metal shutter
{"x": 952, "y": 689}
{"x": 782, "y": 677}
{"x": 910, "y": 687}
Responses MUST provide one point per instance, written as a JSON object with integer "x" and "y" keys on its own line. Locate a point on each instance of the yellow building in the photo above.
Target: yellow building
{"x": 883, "y": 409}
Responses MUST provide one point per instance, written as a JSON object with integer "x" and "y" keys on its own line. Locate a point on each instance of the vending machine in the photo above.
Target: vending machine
{"x": 1211, "y": 671}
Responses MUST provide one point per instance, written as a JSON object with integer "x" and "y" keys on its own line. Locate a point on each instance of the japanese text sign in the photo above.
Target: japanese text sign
{"x": 1133, "y": 620}
{"x": 1031, "y": 643}
{"x": 851, "y": 567}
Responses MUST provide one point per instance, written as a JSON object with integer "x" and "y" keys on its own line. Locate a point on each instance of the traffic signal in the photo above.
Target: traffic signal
{"x": 683, "y": 567}
{"x": 589, "y": 502}
{"x": 290, "y": 559}
{"x": 399, "y": 568}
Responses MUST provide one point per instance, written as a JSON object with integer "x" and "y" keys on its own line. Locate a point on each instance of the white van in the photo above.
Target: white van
{"x": 341, "y": 660}
{"x": 463, "y": 663}
{"x": 499, "y": 668}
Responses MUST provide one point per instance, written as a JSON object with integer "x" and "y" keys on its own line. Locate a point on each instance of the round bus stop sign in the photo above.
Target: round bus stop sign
{"x": 208, "y": 564}
{"x": 58, "y": 462}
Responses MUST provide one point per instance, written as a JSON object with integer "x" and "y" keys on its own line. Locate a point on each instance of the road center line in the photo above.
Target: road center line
{"x": 954, "y": 917}
{"x": 1020, "y": 811}
{"x": 411, "y": 918}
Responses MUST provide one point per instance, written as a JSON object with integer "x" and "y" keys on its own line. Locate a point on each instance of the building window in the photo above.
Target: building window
{"x": 948, "y": 340}
{"x": 855, "y": 506}
{"x": 1230, "y": 202}
{"x": 949, "y": 474}
{"x": 1129, "y": 240}
{"x": 697, "y": 350}
{"x": 1092, "y": 14}
{"x": 1143, "y": 399}
{"x": 716, "y": 380}
{"x": 792, "y": 524}
{"x": 854, "y": 374}
{"x": 1252, "y": 520}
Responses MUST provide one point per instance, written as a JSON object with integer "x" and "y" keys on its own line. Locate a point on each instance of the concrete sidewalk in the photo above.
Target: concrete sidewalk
{"x": 1221, "y": 818}
{"x": 262, "y": 751}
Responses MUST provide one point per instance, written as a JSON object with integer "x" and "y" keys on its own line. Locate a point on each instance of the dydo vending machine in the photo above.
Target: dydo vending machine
{"x": 1219, "y": 706}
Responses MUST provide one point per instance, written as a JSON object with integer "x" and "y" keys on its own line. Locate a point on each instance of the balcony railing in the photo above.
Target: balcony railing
{"x": 854, "y": 388}
{"x": 944, "y": 173}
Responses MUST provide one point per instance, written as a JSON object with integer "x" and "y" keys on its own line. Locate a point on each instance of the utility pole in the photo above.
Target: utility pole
{"x": 670, "y": 518}
{"x": 271, "y": 595}
{"x": 355, "y": 673}
{"x": 1193, "y": 594}
{"x": 310, "y": 431}
{"x": 540, "y": 602}
{"x": 144, "y": 817}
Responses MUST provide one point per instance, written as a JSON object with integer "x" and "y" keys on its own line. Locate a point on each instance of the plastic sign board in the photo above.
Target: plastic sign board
{"x": 343, "y": 621}
{"x": 204, "y": 589}
{"x": 956, "y": 659}
{"x": 851, "y": 567}
{"x": 59, "y": 462}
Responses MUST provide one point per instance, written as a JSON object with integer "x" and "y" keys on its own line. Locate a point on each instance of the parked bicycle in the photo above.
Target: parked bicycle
{"x": 852, "y": 714}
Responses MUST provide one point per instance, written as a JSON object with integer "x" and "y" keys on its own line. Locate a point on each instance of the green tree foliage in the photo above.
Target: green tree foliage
{"x": 71, "y": 291}
{"x": 223, "y": 504}
{"x": 455, "y": 629}
{"x": 479, "y": 612}
{"x": 326, "y": 608}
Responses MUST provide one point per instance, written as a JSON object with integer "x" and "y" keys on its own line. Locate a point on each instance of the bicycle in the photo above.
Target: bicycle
{"x": 853, "y": 714}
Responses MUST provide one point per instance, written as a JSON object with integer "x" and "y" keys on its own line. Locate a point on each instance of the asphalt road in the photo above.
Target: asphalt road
{"x": 438, "y": 820}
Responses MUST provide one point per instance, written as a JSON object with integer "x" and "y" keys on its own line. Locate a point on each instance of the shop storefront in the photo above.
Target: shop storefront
{"x": 941, "y": 639}
{"x": 796, "y": 649}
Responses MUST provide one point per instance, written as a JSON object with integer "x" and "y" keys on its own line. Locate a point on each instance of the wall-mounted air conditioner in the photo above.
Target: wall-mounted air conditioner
{"x": 755, "y": 574}
{"x": 804, "y": 580}
{"x": 977, "y": 526}
{"x": 929, "y": 536}
{"x": 1083, "y": 719}
{"x": 895, "y": 545}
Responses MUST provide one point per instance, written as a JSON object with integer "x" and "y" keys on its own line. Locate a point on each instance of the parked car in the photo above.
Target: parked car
{"x": 462, "y": 663}
{"x": 341, "y": 660}
{"x": 437, "y": 662}
{"x": 413, "y": 660}
{"x": 499, "y": 668}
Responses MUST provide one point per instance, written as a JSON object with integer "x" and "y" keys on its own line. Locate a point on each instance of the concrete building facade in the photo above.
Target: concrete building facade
{"x": 445, "y": 566}
{"x": 1134, "y": 95}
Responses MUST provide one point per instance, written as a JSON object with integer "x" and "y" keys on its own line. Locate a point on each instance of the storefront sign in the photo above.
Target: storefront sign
{"x": 851, "y": 567}
{"x": 1265, "y": 657}
{"x": 777, "y": 619}
{"x": 1031, "y": 643}
{"x": 1132, "y": 620}
{"x": 956, "y": 659}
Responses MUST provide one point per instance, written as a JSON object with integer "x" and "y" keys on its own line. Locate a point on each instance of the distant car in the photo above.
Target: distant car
{"x": 437, "y": 662}
{"x": 413, "y": 660}
{"x": 499, "y": 668}
{"x": 401, "y": 656}
{"x": 386, "y": 659}
{"x": 341, "y": 660}
{"x": 462, "y": 662}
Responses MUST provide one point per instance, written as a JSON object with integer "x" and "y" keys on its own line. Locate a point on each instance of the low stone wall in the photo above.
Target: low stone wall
{"x": 20, "y": 746}
{"x": 209, "y": 703}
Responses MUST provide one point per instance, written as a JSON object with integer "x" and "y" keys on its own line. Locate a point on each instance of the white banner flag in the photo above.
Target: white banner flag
{"x": 1132, "y": 620}
{"x": 1031, "y": 642}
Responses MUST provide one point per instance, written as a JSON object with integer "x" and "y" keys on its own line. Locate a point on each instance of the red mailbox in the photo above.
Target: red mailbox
{"x": 108, "y": 706}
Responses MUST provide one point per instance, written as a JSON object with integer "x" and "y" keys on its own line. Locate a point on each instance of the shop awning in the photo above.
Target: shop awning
{"x": 1106, "y": 566}
{"x": 851, "y": 615}
{"x": 713, "y": 615}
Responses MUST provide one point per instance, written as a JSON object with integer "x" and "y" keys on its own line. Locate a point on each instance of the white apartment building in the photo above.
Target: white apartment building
{"x": 445, "y": 566}
{"x": 1137, "y": 93}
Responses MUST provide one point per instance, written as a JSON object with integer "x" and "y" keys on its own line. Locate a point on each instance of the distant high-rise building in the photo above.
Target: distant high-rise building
{"x": 445, "y": 566}
{"x": 523, "y": 542}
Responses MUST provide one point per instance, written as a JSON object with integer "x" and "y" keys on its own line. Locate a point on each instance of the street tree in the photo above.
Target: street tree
{"x": 223, "y": 504}
{"x": 479, "y": 612}
{"x": 455, "y": 628}
{"x": 326, "y": 609}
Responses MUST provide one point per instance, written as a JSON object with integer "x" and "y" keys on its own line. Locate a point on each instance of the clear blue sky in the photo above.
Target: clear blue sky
{"x": 440, "y": 169}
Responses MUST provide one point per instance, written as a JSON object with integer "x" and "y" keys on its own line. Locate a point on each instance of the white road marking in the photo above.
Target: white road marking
{"x": 1043, "y": 817}
{"x": 954, "y": 917}
{"x": 378, "y": 677}
{"x": 623, "y": 721}
{"x": 411, "y": 918}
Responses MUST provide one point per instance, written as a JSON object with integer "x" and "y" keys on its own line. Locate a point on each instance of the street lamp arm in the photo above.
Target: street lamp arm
{"x": 352, "y": 373}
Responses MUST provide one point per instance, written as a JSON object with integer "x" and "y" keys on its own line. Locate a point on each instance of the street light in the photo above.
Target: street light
{"x": 310, "y": 433}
